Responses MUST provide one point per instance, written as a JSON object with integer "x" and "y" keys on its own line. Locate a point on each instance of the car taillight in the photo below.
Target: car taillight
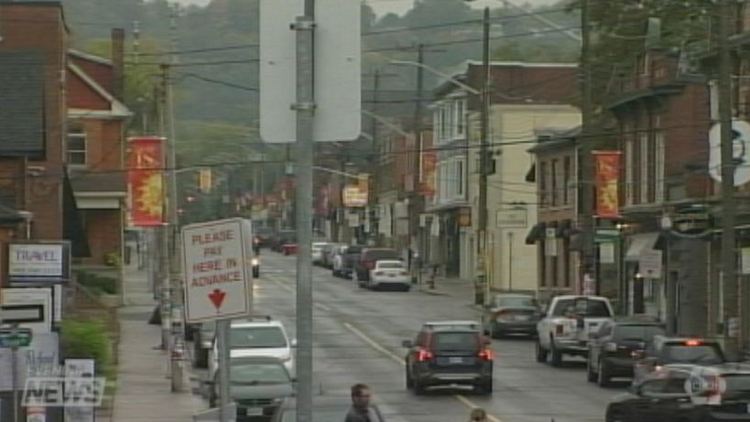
{"x": 693, "y": 343}
{"x": 486, "y": 354}
{"x": 424, "y": 355}
{"x": 559, "y": 329}
{"x": 610, "y": 347}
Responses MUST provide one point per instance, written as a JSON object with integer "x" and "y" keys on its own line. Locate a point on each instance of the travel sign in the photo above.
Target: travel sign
{"x": 217, "y": 285}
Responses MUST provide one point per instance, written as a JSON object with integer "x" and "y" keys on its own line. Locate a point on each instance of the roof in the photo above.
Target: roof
{"x": 39, "y": 3}
{"x": 98, "y": 182}
{"x": 555, "y": 139}
{"x": 453, "y": 325}
{"x": 9, "y": 215}
{"x": 117, "y": 109}
{"x": 22, "y": 95}
{"x": 89, "y": 57}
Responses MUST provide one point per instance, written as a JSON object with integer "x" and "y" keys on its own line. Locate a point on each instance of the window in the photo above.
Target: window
{"x": 460, "y": 178}
{"x": 644, "y": 164}
{"x": 629, "y": 166}
{"x": 460, "y": 118}
{"x": 553, "y": 183}
{"x": 257, "y": 337}
{"x": 76, "y": 146}
{"x": 659, "y": 175}
{"x": 543, "y": 184}
{"x": 566, "y": 181}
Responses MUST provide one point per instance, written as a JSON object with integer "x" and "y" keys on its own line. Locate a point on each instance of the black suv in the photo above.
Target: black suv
{"x": 367, "y": 260}
{"x": 675, "y": 350}
{"x": 614, "y": 347}
{"x": 450, "y": 352}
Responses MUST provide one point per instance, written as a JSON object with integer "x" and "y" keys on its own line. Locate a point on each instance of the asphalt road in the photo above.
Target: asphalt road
{"x": 358, "y": 335}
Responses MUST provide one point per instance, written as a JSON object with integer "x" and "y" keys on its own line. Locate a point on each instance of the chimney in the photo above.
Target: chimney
{"x": 118, "y": 55}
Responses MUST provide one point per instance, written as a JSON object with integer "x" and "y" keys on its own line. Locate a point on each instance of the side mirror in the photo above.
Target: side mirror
{"x": 294, "y": 342}
{"x": 407, "y": 344}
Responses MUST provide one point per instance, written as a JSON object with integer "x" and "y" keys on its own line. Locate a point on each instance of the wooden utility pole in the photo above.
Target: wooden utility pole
{"x": 586, "y": 189}
{"x": 728, "y": 204}
{"x": 482, "y": 282}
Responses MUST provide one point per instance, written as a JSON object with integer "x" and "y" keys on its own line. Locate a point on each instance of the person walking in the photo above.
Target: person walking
{"x": 361, "y": 411}
{"x": 478, "y": 415}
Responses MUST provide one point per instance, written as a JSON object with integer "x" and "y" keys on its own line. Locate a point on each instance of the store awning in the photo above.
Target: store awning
{"x": 536, "y": 233}
{"x": 640, "y": 243}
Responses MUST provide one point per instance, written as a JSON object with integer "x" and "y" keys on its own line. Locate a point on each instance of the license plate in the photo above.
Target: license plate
{"x": 522, "y": 318}
{"x": 455, "y": 360}
{"x": 254, "y": 411}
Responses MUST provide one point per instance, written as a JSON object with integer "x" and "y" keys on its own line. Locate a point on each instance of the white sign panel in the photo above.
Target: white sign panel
{"x": 79, "y": 368}
{"x": 40, "y": 358}
{"x": 337, "y": 73}
{"x": 217, "y": 284}
{"x": 32, "y": 296}
{"x": 515, "y": 218}
{"x": 36, "y": 260}
{"x": 607, "y": 253}
{"x": 745, "y": 261}
{"x": 740, "y": 151}
{"x": 649, "y": 264}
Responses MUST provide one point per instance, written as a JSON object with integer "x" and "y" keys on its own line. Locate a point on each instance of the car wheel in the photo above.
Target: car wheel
{"x": 616, "y": 415}
{"x": 602, "y": 377}
{"x": 485, "y": 387}
{"x": 409, "y": 381}
{"x": 541, "y": 353}
{"x": 590, "y": 374}
{"x": 406, "y": 288}
{"x": 556, "y": 355}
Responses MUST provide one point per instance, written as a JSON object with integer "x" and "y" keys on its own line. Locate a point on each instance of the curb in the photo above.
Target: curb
{"x": 432, "y": 292}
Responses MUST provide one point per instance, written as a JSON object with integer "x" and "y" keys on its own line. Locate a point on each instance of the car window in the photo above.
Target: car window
{"x": 683, "y": 353}
{"x": 737, "y": 384}
{"x": 515, "y": 301}
{"x": 387, "y": 265}
{"x": 258, "y": 373}
{"x": 260, "y": 337}
{"x": 458, "y": 341}
{"x": 593, "y": 308}
{"x": 637, "y": 332}
{"x": 381, "y": 254}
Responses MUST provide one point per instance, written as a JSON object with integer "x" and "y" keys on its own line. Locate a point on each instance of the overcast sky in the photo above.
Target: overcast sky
{"x": 382, "y": 7}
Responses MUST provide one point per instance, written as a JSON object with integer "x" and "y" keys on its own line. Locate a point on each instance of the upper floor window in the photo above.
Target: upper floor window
{"x": 449, "y": 119}
{"x": 76, "y": 146}
{"x": 566, "y": 180}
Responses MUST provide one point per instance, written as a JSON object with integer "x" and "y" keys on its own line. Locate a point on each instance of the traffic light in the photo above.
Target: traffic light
{"x": 205, "y": 182}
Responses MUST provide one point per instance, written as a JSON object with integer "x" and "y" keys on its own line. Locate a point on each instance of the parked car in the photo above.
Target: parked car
{"x": 566, "y": 327}
{"x": 281, "y": 238}
{"x": 257, "y": 384}
{"x": 686, "y": 393}
{"x": 349, "y": 258}
{"x": 367, "y": 260}
{"x": 328, "y": 253}
{"x": 614, "y": 347}
{"x": 447, "y": 353}
{"x": 389, "y": 273}
{"x": 674, "y": 350}
{"x": 317, "y": 252}
{"x": 325, "y": 409}
{"x": 289, "y": 248}
{"x": 511, "y": 313}
{"x": 256, "y": 336}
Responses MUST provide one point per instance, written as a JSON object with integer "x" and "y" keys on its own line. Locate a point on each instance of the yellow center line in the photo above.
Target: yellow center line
{"x": 466, "y": 402}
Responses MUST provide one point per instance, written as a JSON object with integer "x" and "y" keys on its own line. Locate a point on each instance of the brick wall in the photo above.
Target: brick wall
{"x": 104, "y": 234}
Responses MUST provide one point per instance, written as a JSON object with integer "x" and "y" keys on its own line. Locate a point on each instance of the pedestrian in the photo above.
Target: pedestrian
{"x": 478, "y": 415}
{"x": 361, "y": 411}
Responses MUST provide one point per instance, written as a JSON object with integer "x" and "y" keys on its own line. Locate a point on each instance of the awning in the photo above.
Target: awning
{"x": 536, "y": 233}
{"x": 640, "y": 243}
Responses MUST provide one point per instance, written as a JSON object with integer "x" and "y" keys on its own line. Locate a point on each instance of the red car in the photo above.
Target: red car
{"x": 289, "y": 248}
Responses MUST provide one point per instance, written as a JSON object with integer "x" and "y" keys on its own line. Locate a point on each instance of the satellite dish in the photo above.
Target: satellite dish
{"x": 740, "y": 154}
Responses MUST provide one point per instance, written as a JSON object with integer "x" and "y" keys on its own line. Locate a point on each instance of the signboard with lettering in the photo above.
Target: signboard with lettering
{"x": 39, "y": 296}
{"x": 217, "y": 283}
{"x": 38, "y": 263}
{"x": 38, "y": 359}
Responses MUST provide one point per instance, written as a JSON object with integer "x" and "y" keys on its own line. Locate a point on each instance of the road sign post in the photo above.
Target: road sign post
{"x": 217, "y": 285}
{"x": 13, "y": 339}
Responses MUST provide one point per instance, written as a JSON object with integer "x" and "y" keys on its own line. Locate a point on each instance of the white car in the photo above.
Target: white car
{"x": 256, "y": 337}
{"x": 389, "y": 273}
{"x": 317, "y": 252}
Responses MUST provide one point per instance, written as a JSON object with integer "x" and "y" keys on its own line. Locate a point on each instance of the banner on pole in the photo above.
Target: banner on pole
{"x": 146, "y": 181}
{"x": 607, "y": 176}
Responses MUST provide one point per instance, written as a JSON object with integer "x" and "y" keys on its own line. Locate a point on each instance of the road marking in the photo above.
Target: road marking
{"x": 283, "y": 285}
{"x": 466, "y": 402}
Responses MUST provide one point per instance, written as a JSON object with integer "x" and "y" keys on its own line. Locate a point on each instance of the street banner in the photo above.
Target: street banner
{"x": 607, "y": 176}
{"x": 145, "y": 181}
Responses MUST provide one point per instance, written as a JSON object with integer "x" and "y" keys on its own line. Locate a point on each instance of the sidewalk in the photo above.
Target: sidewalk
{"x": 143, "y": 389}
{"x": 462, "y": 290}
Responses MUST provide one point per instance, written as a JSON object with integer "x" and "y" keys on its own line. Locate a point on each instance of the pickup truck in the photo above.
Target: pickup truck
{"x": 567, "y": 324}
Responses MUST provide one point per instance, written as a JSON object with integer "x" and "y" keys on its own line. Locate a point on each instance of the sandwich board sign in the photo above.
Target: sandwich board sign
{"x": 217, "y": 283}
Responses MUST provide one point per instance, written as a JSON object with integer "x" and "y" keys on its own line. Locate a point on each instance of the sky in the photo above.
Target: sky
{"x": 382, "y": 7}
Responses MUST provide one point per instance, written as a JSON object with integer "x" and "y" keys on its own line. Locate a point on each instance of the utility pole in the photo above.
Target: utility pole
{"x": 415, "y": 203}
{"x": 164, "y": 259}
{"x": 305, "y": 107}
{"x": 728, "y": 204}
{"x": 482, "y": 283}
{"x": 586, "y": 217}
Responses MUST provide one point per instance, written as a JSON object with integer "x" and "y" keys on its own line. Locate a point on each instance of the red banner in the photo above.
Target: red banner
{"x": 427, "y": 181}
{"x": 607, "y": 177}
{"x": 145, "y": 181}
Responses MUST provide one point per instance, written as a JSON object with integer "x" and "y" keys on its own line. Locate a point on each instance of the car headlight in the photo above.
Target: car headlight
{"x": 255, "y": 262}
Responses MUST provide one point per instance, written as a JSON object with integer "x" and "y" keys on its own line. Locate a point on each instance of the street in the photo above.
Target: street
{"x": 357, "y": 338}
